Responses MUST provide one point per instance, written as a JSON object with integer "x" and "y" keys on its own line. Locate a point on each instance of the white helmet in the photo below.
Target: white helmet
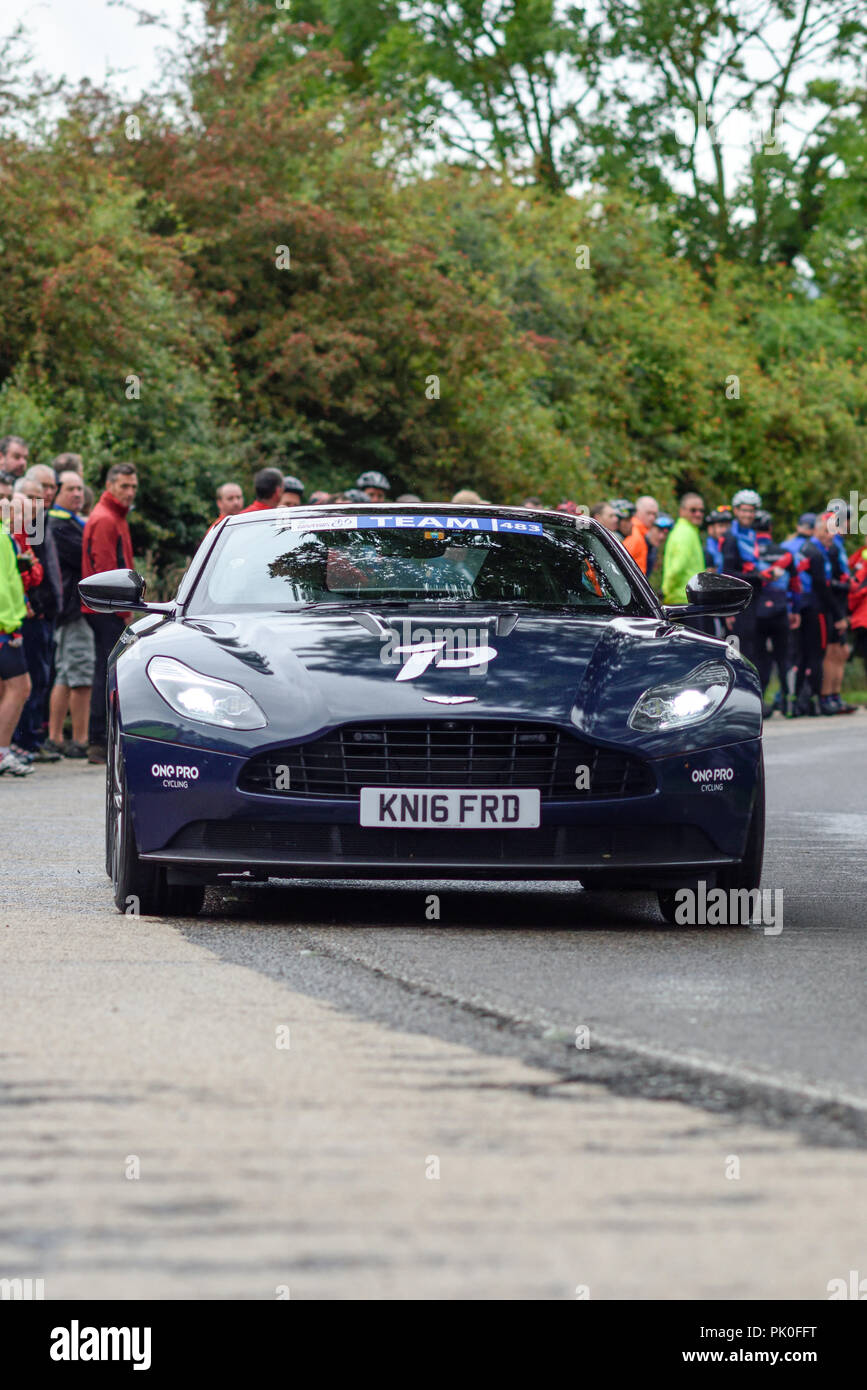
{"x": 746, "y": 498}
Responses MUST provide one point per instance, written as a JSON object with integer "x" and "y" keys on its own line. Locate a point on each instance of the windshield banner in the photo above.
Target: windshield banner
{"x": 413, "y": 523}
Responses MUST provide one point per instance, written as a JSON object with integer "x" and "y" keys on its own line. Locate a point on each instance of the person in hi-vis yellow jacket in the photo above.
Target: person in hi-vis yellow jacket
{"x": 684, "y": 552}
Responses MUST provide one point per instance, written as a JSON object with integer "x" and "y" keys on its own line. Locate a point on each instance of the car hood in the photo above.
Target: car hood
{"x": 311, "y": 670}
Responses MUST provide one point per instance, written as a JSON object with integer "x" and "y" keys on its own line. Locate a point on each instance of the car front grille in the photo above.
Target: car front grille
{"x": 245, "y": 843}
{"x": 447, "y": 753}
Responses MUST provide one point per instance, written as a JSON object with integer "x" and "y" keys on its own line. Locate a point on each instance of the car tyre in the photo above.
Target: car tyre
{"x": 747, "y": 873}
{"x": 139, "y": 888}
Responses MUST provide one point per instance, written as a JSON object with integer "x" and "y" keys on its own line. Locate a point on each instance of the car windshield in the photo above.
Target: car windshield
{"x": 294, "y": 561}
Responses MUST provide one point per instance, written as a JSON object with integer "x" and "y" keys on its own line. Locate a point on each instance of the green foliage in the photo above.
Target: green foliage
{"x": 157, "y": 259}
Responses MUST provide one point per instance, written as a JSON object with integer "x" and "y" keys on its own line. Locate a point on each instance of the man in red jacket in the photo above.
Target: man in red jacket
{"x": 268, "y": 486}
{"x": 107, "y": 545}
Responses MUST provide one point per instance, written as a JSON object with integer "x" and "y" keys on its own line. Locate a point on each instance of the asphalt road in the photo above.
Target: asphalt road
{"x": 788, "y": 1005}
{"x": 412, "y": 1039}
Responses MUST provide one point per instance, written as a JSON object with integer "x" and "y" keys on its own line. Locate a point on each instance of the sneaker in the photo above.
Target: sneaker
{"x": 843, "y": 706}
{"x": 48, "y": 753}
{"x": 97, "y": 753}
{"x": 827, "y": 706}
{"x": 71, "y": 749}
{"x": 12, "y": 764}
{"x": 22, "y": 754}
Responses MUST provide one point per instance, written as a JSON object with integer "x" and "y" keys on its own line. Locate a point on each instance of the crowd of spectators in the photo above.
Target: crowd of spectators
{"x": 810, "y": 593}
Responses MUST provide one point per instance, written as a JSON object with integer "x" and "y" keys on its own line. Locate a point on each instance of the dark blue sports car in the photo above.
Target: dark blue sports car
{"x": 427, "y": 692}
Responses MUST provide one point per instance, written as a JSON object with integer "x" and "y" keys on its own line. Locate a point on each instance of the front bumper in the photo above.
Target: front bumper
{"x": 190, "y": 816}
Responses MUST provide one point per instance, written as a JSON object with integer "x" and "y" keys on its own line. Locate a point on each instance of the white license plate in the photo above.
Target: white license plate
{"x": 452, "y": 809}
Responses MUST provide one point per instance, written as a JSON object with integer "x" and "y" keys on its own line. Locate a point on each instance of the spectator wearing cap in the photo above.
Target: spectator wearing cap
{"x": 684, "y": 552}
{"x": 646, "y": 512}
{"x": 293, "y": 492}
{"x": 268, "y": 489}
{"x": 74, "y": 650}
{"x": 742, "y": 559}
{"x": 794, "y": 544}
{"x": 657, "y": 535}
{"x": 107, "y": 545}
{"x": 718, "y": 524}
{"x": 376, "y": 485}
{"x": 625, "y": 511}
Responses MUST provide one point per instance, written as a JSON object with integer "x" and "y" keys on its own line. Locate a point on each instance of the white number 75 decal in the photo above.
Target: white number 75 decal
{"x": 422, "y": 655}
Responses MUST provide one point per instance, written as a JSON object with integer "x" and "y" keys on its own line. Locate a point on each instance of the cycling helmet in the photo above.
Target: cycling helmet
{"x": 623, "y": 508}
{"x": 763, "y": 520}
{"x": 719, "y": 514}
{"x": 374, "y": 479}
{"x": 293, "y": 485}
{"x": 746, "y": 498}
{"x": 356, "y": 496}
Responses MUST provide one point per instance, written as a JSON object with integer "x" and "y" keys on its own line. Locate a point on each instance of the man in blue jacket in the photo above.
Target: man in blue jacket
{"x": 743, "y": 560}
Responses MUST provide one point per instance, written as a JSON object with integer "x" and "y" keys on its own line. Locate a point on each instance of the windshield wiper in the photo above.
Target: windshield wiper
{"x": 342, "y": 604}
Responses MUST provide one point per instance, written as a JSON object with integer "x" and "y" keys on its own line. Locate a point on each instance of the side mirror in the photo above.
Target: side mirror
{"x": 118, "y": 591}
{"x": 711, "y": 595}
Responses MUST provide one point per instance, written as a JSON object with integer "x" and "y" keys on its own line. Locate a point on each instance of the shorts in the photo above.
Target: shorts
{"x": 74, "y": 654}
{"x": 830, "y": 636}
{"x": 13, "y": 661}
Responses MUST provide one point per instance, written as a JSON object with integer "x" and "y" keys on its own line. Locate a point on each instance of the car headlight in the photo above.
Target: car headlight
{"x": 696, "y": 696}
{"x": 204, "y": 698}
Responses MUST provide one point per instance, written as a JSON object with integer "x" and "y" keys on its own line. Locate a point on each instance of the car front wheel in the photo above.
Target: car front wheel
{"x": 139, "y": 888}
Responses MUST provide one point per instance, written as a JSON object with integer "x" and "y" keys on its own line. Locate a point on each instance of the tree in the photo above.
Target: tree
{"x": 717, "y": 77}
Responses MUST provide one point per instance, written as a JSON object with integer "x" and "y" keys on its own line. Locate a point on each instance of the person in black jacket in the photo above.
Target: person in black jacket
{"x": 823, "y": 618}
{"x": 741, "y": 557}
{"x": 44, "y": 603}
{"x": 74, "y": 651}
